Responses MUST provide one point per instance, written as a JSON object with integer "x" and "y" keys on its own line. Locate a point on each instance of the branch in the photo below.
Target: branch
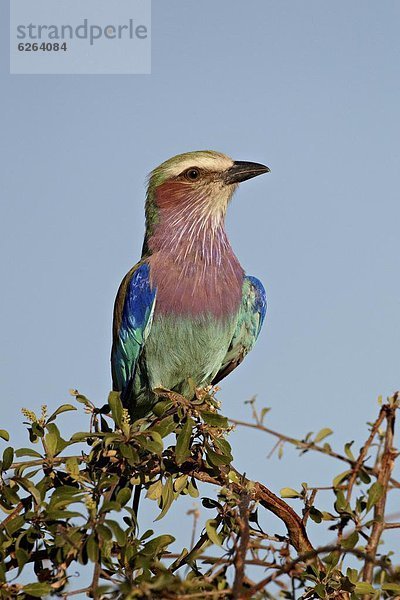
{"x": 260, "y": 493}
{"x": 306, "y": 557}
{"x": 310, "y": 446}
{"x": 386, "y": 467}
{"x": 364, "y": 450}
{"x": 241, "y": 551}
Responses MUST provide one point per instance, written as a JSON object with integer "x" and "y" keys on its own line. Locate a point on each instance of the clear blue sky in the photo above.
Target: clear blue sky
{"x": 311, "y": 89}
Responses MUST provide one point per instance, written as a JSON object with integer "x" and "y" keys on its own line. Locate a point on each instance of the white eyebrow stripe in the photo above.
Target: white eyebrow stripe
{"x": 210, "y": 163}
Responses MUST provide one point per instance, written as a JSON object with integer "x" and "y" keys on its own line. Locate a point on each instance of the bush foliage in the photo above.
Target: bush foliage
{"x": 72, "y": 502}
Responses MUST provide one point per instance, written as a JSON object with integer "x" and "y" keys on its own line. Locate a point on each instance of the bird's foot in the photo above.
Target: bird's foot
{"x": 170, "y": 395}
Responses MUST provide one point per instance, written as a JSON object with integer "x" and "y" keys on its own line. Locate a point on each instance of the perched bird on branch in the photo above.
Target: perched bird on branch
{"x": 186, "y": 312}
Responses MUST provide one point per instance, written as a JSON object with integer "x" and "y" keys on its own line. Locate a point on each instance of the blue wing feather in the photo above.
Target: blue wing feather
{"x": 137, "y": 314}
{"x": 260, "y": 303}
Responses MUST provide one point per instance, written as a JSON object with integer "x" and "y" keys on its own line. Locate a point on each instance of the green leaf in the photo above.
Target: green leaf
{"x": 37, "y": 430}
{"x": 104, "y": 532}
{"x": 81, "y": 436}
{"x": 64, "y": 495}
{"x": 116, "y": 407}
{"x": 56, "y": 515}
{"x": 8, "y": 457}
{"x": 123, "y": 496}
{"x": 148, "y": 533}
{"x": 352, "y": 575}
{"x": 322, "y": 434}
{"x": 348, "y": 452}
{"x": 315, "y": 514}
{"x": 37, "y": 589}
{"x": 61, "y": 443}
{"x": 182, "y": 451}
{"x": 4, "y": 435}
{"x": 15, "y": 524}
{"x": 391, "y": 587}
{"x": 180, "y": 483}
{"x": 263, "y": 412}
{"x": 158, "y": 544}
{"x": 72, "y": 466}
{"x": 332, "y": 559}
{"x": 214, "y": 419}
{"x": 341, "y": 477}
{"x": 166, "y": 426}
{"x": 167, "y": 497}
{"x": 151, "y": 441}
{"x": 129, "y": 453}
{"x": 320, "y": 590}
{"x": 349, "y": 542}
{"x": 92, "y": 548}
{"x": 155, "y": 490}
{"x": 211, "y": 529}
{"x": 374, "y": 494}
{"x": 210, "y": 503}
{"x": 119, "y": 533}
{"x": 363, "y": 475}
{"x": 289, "y": 493}
{"x": 216, "y": 459}
{"x": 341, "y": 503}
{"x": 109, "y": 506}
{"x": 327, "y": 516}
{"x": 225, "y": 448}
{"x": 51, "y": 441}
{"x": 10, "y": 496}
{"x": 192, "y": 489}
{"x": 162, "y": 407}
{"x": 61, "y": 409}
{"x": 27, "y": 452}
{"x": 31, "y": 489}
{"x": 22, "y": 557}
{"x": 80, "y": 398}
{"x": 364, "y": 588}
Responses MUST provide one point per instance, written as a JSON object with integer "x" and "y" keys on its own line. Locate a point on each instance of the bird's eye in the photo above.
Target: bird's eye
{"x": 192, "y": 174}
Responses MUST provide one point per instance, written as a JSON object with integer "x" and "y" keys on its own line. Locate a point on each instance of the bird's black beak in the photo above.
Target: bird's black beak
{"x": 242, "y": 170}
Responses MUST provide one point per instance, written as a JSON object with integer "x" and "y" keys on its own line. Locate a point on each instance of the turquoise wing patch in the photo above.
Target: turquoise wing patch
{"x": 250, "y": 320}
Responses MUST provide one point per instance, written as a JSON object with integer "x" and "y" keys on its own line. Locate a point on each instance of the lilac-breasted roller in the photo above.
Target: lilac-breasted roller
{"x": 186, "y": 310}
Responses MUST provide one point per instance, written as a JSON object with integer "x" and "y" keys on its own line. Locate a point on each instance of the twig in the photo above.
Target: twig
{"x": 45, "y": 461}
{"x": 244, "y": 537}
{"x": 293, "y": 441}
{"x": 185, "y": 559}
{"x": 13, "y": 514}
{"x": 305, "y": 558}
{"x": 95, "y": 581}
{"x": 309, "y": 504}
{"x": 363, "y": 452}
{"x": 386, "y": 467}
{"x": 205, "y": 558}
{"x": 75, "y": 592}
{"x": 196, "y": 514}
{"x": 310, "y": 446}
{"x": 97, "y": 567}
{"x": 392, "y": 526}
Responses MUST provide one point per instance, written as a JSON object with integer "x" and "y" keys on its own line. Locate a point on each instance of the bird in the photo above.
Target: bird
{"x": 186, "y": 314}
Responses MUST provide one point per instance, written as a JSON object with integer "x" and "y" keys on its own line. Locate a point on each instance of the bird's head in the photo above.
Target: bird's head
{"x": 194, "y": 187}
